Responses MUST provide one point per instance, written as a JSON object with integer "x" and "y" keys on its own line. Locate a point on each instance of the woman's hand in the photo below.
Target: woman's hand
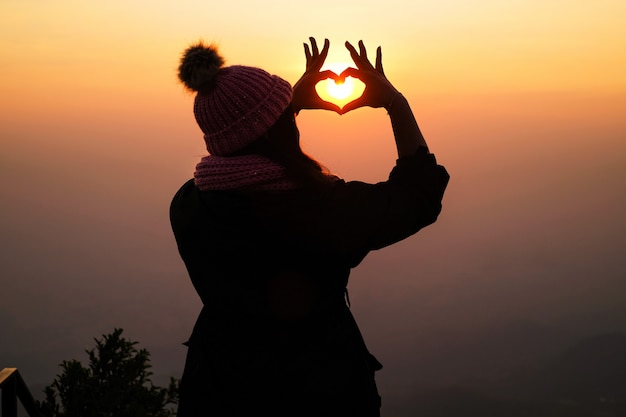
{"x": 379, "y": 92}
{"x": 304, "y": 94}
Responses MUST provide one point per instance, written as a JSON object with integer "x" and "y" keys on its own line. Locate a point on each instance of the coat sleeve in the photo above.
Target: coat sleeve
{"x": 372, "y": 216}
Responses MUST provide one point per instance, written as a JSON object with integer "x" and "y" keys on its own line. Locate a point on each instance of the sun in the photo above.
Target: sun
{"x": 340, "y": 93}
{"x": 340, "y": 90}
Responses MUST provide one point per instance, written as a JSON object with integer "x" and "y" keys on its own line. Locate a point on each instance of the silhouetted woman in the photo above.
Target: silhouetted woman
{"x": 269, "y": 239}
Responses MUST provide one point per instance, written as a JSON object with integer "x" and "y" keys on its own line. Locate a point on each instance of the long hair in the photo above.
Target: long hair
{"x": 281, "y": 144}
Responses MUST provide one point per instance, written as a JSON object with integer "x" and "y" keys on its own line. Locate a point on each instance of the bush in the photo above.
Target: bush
{"x": 115, "y": 384}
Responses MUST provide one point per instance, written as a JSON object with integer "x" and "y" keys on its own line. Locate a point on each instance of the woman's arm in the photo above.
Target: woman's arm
{"x": 405, "y": 129}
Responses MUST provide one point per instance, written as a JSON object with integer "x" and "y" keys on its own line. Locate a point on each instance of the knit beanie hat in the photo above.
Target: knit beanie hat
{"x": 234, "y": 105}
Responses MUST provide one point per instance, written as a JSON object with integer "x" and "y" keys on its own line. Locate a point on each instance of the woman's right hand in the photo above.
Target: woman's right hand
{"x": 379, "y": 92}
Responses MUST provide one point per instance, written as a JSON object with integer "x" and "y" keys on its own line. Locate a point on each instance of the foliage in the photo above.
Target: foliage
{"x": 115, "y": 384}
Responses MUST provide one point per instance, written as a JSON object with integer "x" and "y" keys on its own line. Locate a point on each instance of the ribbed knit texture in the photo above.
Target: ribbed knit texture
{"x": 245, "y": 172}
{"x": 243, "y": 105}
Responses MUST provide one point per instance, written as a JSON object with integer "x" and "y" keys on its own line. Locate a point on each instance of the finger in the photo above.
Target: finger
{"x": 350, "y": 72}
{"x": 354, "y": 54}
{"x": 360, "y": 58}
{"x": 318, "y": 60}
{"x": 355, "y": 104}
{"x": 307, "y": 54}
{"x": 363, "y": 53}
{"x": 379, "y": 60}
{"x": 318, "y": 104}
{"x": 324, "y": 52}
{"x": 314, "y": 46}
{"x": 315, "y": 77}
{"x": 327, "y": 105}
{"x": 362, "y": 50}
{"x": 328, "y": 74}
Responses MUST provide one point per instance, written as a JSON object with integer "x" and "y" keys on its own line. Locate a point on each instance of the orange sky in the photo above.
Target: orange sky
{"x": 73, "y": 63}
{"x": 523, "y": 101}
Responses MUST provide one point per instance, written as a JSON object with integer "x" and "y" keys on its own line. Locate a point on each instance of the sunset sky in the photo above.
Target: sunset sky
{"x": 523, "y": 101}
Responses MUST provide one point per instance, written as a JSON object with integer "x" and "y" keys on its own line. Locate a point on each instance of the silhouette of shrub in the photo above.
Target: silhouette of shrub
{"x": 116, "y": 383}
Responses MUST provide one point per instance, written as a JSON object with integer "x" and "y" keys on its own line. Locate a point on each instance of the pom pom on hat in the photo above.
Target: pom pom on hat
{"x": 235, "y": 105}
{"x": 198, "y": 66}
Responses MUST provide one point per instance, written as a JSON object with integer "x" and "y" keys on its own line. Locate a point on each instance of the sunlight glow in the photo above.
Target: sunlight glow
{"x": 340, "y": 93}
{"x": 340, "y": 89}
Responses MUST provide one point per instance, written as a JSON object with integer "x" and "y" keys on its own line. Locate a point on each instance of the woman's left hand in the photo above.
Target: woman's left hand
{"x": 304, "y": 94}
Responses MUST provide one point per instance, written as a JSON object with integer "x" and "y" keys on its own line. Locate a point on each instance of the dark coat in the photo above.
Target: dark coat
{"x": 275, "y": 336}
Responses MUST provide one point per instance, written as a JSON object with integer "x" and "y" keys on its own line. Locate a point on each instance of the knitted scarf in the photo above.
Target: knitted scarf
{"x": 249, "y": 172}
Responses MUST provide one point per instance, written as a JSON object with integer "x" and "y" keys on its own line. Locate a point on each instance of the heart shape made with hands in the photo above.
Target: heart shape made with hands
{"x": 340, "y": 92}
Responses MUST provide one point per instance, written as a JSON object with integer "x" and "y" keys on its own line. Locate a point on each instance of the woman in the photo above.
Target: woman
{"x": 269, "y": 239}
